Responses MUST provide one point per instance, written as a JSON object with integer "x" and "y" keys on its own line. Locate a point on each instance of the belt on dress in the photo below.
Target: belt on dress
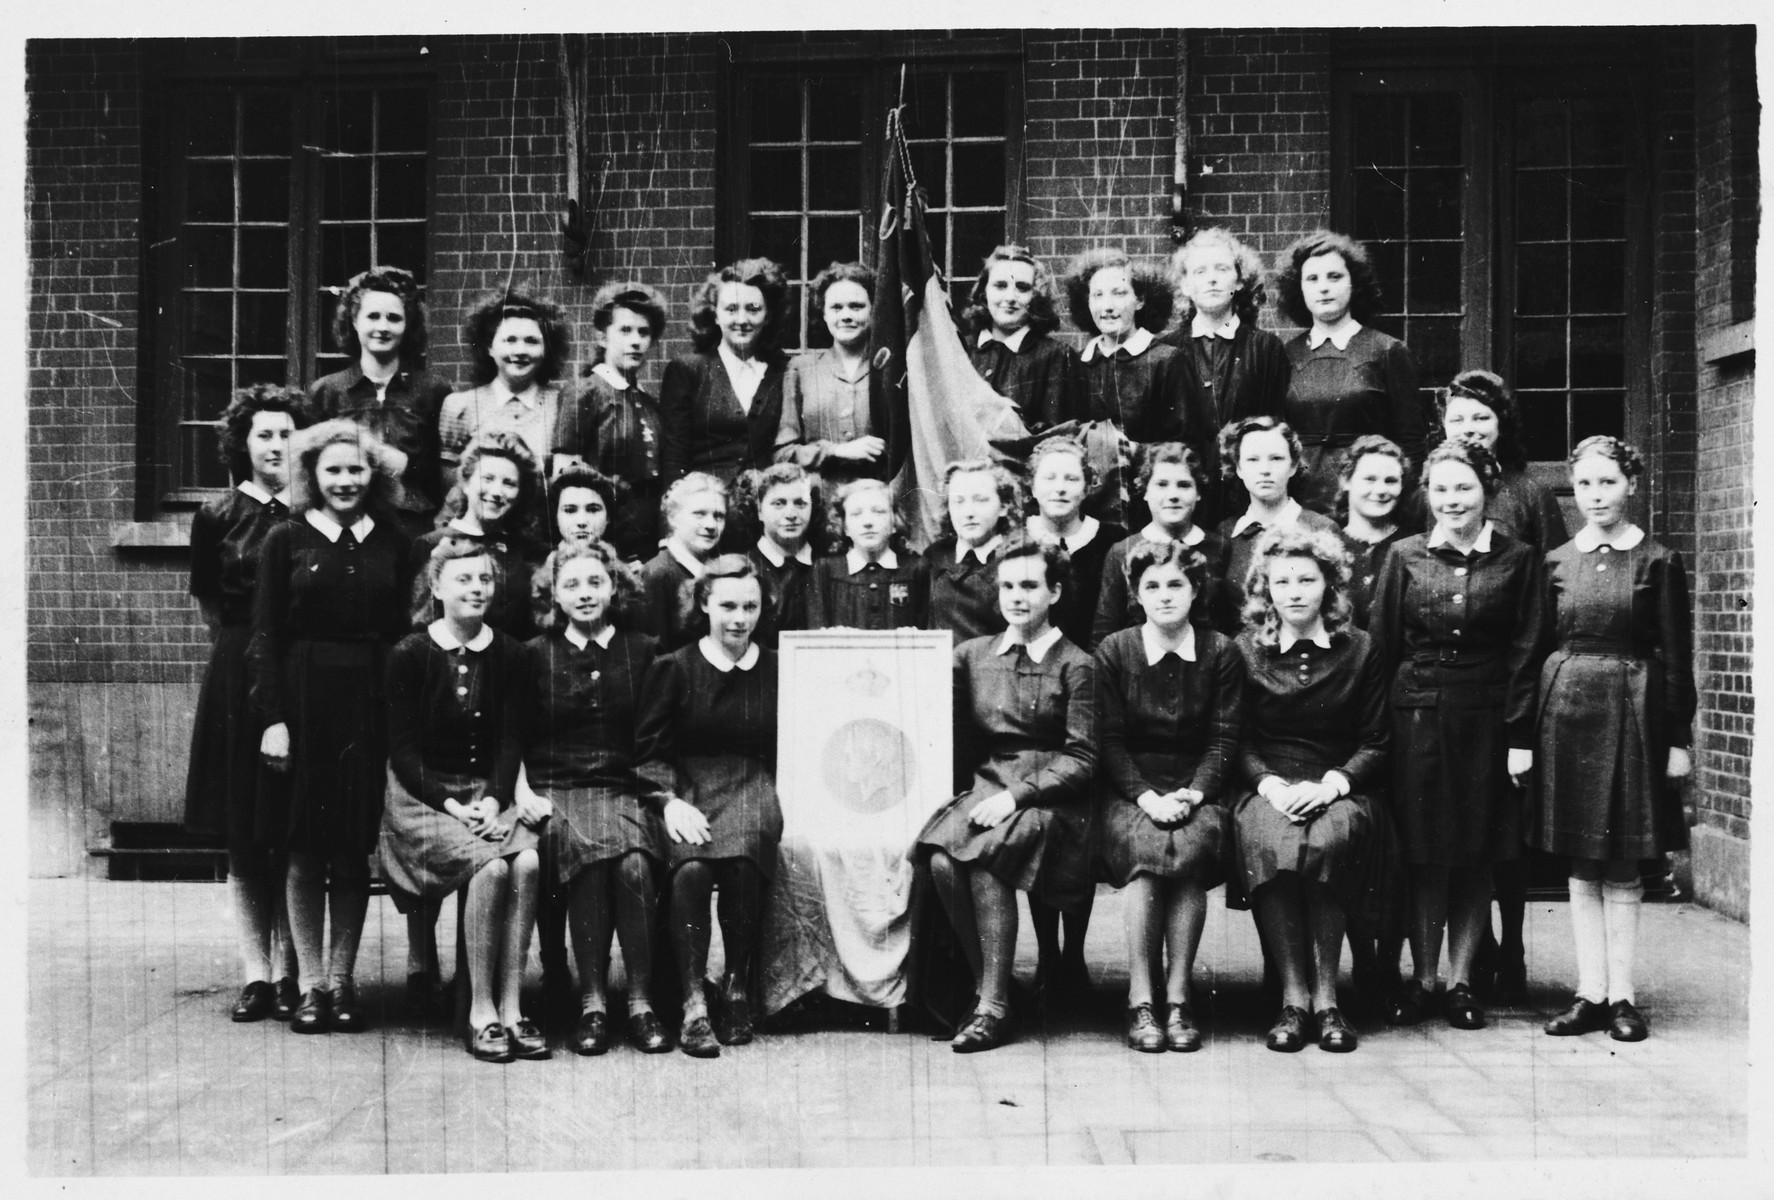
{"x": 1454, "y": 656}
{"x": 1602, "y": 648}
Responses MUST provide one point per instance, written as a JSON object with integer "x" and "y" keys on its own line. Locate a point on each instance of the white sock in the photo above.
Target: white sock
{"x": 1590, "y": 929}
{"x": 1622, "y": 908}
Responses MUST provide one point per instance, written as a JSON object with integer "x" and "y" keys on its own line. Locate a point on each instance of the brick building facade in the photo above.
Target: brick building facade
{"x": 1502, "y": 175}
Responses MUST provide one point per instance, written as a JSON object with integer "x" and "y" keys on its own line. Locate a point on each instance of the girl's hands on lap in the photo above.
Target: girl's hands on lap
{"x": 532, "y": 808}
{"x": 685, "y": 822}
{"x": 993, "y": 810}
{"x": 1166, "y": 809}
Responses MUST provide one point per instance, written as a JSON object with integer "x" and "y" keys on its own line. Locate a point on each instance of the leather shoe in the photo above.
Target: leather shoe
{"x": 1584, "y": 1016}
{"x": 1180, "y": 1032}
{"x": 1461, "y": 1010}
{"x": 1143, "y": 1033}
{"x": 257, "y": 1000}
{"x": 1292, "y": 1031}
{"x": 313, "y": 1014}
{"x": 732, "y": 1021}
{"x": 527, "y": 1041}
{"x": 1412, "y": 1005}
{"x": 697, "y": 1039}
{"x": 592, "y": 1036}
{"x": 287, "y": 1000}
{"x": 348, "y": 1015}
{"x": 647, "y": 1034}
{"x": 489, "y": 1043}
{"x": 983, "y": 1031}
{"x": 1626, "y": 1023}
{"x": 1334, "y": 1033}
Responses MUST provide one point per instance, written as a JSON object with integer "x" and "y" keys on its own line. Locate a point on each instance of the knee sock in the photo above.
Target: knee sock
{"x": 1620, "y": 912}
{"x": 1592, "y": 939}
{"x": 637, "y": 917}
{"x": 690, "y": 929}
{"x": 588, "y": 912}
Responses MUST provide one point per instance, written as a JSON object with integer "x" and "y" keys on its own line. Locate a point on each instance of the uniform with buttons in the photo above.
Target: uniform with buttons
{"x": 876, "y": 597}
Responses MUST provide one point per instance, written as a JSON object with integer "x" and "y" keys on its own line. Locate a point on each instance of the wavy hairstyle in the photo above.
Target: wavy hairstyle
{"x": 1008, "y": 486}
{"x": 1297, "y": 541}
{"x": 1632, "y": 464}
{"x": 1247, "y": 297}
{"x": 1489, "y": 390}
{"x": 689, "y": 485}
{"x": 1233, "y": 435}
{"x": 1370, "y": 444}
{"x": 1469, "y": 454}
{"x": 751, "y": 488}
{"x": 1068, "y": 447}
{"x": 637, "y": 298}
{"x": 1365, "y": 295}
{"x": 1150, "y": 286}
{"x": 502, "y": 443}
{"x": 1043, "y": 301}
{"x": 482, "y": 323}
{"x": 834, "y": 518}
{"x": 613, "y": 492}
{"x": 1158, "y": 454}
{"x": 447, "y": 551}
{"x": 237, "y": 422}
{"x": 760, "y": 273}
{"x": 1056, "y": 563}
{"x": 384, "y": 493}
{"x": 818, "y": 336}
{"x": 395, "y": 282}
{"x": 722, "y": 566}
{"x": 1149, "y": 555}
{"x": 625, "y": 589}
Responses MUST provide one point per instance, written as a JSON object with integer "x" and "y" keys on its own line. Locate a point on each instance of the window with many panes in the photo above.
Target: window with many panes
{"x": 805, "y": 144}
{"x": 271, "y": 185}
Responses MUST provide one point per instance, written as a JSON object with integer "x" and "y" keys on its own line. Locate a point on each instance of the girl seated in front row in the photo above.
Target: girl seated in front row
{"x": 877, "y": 582}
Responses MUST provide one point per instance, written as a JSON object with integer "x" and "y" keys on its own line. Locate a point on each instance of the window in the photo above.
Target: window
{"x": 267, "y": 194}
{"x": 805, "y": 147}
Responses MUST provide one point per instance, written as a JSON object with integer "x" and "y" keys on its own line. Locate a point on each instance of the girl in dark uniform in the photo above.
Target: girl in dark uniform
{"x": 1059, "y": 479}
{"x": 1025, "y": 717}
{"x": 1169, "y": 703}
{"x": 1171, "y": 481}
{"x": 1009, "y": 316}
{"x": 1372, "y": 483}
{"x": 1311, "y": 847}
{"x": 707, "y": 748}
{"x": 604, "y": 847}
{"x": 695, "y": 509}
{"x": 876, "y": 581}
{"x": 227, "y": 789}
{"x": 453, "y": 819}
{"x": 982, "y": 503}
{"x": 1460, "y": 614}
{"x": 1265, "y": 456}
{"x": 782, "y": 503}
{"x": 1616, "y": 720}
{"x": 332, "y": 600}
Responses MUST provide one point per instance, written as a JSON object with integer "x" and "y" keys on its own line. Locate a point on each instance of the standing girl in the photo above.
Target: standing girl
{"x": 1171, "y": 481}
{"x": 501, "y": 488}
{"x": 876, "y": 582}
{"x": 826, "y": 425}
{"x": 227, "y": 789}
{"x": 332, "y": 600}
{"x": 1460, "y": 613}
{"x": 1059, "y": 479}
{"x": 782, "y": 502}
{"x": 518, "y": 346}
{"x": 982, "y": 503}
{"x": 1479, "y": 405}
{"x": 1264, "y": 455}
{"x": 1616, "y": 720}
{"x": 1010, "y": 313}
{"x": 695, "y": 509}
{"x": 1373, "y": 481}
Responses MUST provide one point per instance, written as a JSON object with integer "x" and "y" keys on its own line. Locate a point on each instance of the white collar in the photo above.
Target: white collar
{"x": 685, "y": 559}
{"x": 1200, "y": 326}
{"x": 1087, "y": 531}
{"x": 1289, "y": 515}
{"x": 773, "y": 552}
{"x": 1014, "y": 341}
{"x": 440, "y": 633}
{"x": 504, "y": 395}
{"x": 1037, "y": 649}
{"x": 1136, "y": 344}
{"x": 460, "y": 525}
{"x": 752, "y": 367}
{"x": 983, "y": 551}
{"x": 1589, "y": 541}
{"x": 856, "y": 560}
{"x": 610, "y": 375}
{"x": 1155, "y": 534}
{"x": 1438, "y": 537}
{"x": 251, "y": 488}
{"x": 330, "y": 527}
{"x": 1155, "y": 653}
{"x": 1315, "y": 337}
{"x": 717, "y": 657}
{"x": 580, "y": 641}
{"x": 1286, "y": 641}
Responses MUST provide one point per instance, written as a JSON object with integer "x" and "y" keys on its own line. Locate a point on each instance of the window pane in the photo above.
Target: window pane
{"x": 265, "y": 190}
{"x": 979, "y": 174}
{"x": 344, "y": 251}
{"x": 400, "y": 187}
{"x": 775, "y": 110}
{"x": 1435, "y": 130}
{"x": 209, "y": 191}
{"x": 402, "y": 246}
{"x": 262, "y": 370}
{"x": 1379, "y": 130}
{"x": 264, "y": 322}
{"x": 200, "y": 448}
{"x": 1598, "y": 352}
{"x": 976, "y": 235}
{"x": 930, "y": 166}
{"x": 264, "y": 257}
{"x": 834, "y": 178}
{"x": 1598, "y": 131}
{"x": 1435, "y": 345}
{"x": 1543, "y": 424}
{"x": 926, "y": 106}
{"x": 209, "y": 255}
{"x": 778, "y": 238}
{"x": 265, "y": 124}
{"x": 346, "y": 125}
{"x": 1598, "y": 277}
{"x": 1597, "y": 413}
{"x": 1434, "y": 277}
{"x": 1540, "y": 279}
{"x": 1540, "y": 355}
{"x": 1379, "y": 204}
{"x": 209, "y": 323}
{"x": 208, "y": 386}
{"x": 1388, "y": 260}
{"x": 405, "y": 120}
{"x": 344, "y": 189}
{"x": 1540, "y": 134}
{"x": 776, "y": 180}
{"x": 833, "y": 239}
{"x": 209, "y": 124}
{"x": 980, "y": 104}
{"x": 834, "y": 109}
{"x": 938, "y": 227}
{"x": 1435, "y": 204}
{"x": 1540, "y": 206}
{"x": 797, "y": 318}
{"x": 1598, "y": 203}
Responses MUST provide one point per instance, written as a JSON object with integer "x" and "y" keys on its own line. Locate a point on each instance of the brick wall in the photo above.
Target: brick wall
{"x": 1670, "y": 437}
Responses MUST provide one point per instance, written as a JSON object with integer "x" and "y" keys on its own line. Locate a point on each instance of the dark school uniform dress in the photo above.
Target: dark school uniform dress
{"x": 705, "y": 428}
{"x": 890, "y": 593}
{"x": 1028, "y": 728}
{"x": 1118, "y": 607}
{"x": 1161, "y": 726}
{"x": 1615, "y": 695}
{"x": 1365, "y": 561}
{"x": 1241, "y": 542}
{"x": 1228, "y": 379}
{"x": 1522, "y": 506}
{"x": 964, "y": 590}
{"x": 512, "y": 610}
{"x": 1075, "y": 614}
{"x": 327, "y": 612}
{"x": 452, "y": 734}
{"x": 1336, "y": 396}
{"x": 405, "y": 415}
{"x": 1309, "y": 710}
{"x": 708, "y": 737}
{"x": 226, "y": 783}
{"x": 577, "y": 710}
{"x": 1462, "y": 635}
{"x": 667, "y": 608}
{"x": 1035, "y": 372}
{"x": 1138, "y": 389}
{"x": 619, "y": 432}
{"x": 788, "y": 592}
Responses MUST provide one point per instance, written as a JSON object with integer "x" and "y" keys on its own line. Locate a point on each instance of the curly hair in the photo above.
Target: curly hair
{"x": 1233, "y": 435}
{"x": 760, "y": 273}
{"x": 1150, "y": 287}
{"x": 1377, "y": 444}
{"x": 1008, "y": 487}
{"x": 1365, "y": 294}
{"x": 1297, "y": 541}
{"x": 613, "y": 492}
{"x": 395, "y": 282}
{"x": 447, "y": 551}
{"x": 637, "y": 298}
{"x": 1469, "y": 454}
{"x": 501, "y": 443}
{"x": 482, "y": 323}
{"x": 384, "y": 493}
{"x": 976, "y": 317}
{"x": 1247, "y": 297}
{"x": 722, "y": 566}
{"x": 1149, "y": 555}
{"x": 1632, "y": 464}
{"x": 1068, "y": 447}
{"x": 1489, "y": 390}
{"x": 237, "y": 421}
{"x": 1158, "y": 454}
{"x": 689, "y": 485}
{"x": 1056, "y": 562}
{"x": 818, "y": 335}
{"x": 751, "y": 488}
{"x": 625, "y": 589}
{"x": 836, "y": 536}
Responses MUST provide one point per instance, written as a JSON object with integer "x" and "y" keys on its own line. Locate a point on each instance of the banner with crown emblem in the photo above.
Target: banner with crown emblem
{"x": 864, "y": 757}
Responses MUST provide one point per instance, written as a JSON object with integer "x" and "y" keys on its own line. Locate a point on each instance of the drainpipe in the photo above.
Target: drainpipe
{"x": 1179, "y": 188}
